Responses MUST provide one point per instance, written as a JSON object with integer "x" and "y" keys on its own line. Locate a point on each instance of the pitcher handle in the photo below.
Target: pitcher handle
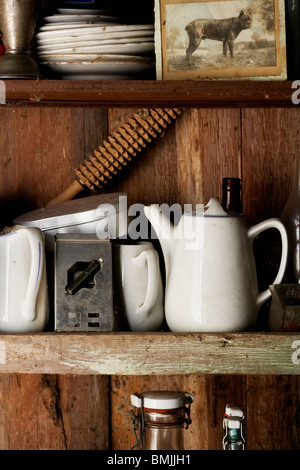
{"x": 35, "y": 275}
{"x": 256, "y": 230}
{"x": 153, "y": 279}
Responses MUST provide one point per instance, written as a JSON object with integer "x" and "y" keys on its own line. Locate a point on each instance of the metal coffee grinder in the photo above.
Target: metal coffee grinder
{"x": 18, "y": 20}
{"x": 158, "y": 419}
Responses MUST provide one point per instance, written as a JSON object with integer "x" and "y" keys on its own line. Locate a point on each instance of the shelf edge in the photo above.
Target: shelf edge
{"x": 149, "y": 93}
{"x": 151, "y": 353}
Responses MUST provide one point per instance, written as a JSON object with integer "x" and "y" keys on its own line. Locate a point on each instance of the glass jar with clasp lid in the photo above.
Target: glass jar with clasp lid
{"x": 158, "y": 419}
{"x": 234, "y": 428}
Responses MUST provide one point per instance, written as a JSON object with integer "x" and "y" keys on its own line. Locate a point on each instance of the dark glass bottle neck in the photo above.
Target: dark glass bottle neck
{"x": 231, "y": 198}
{"x": 296, "y": 176}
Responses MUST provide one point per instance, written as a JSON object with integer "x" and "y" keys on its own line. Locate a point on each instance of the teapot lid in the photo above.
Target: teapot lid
{"x": 214, "y": 208}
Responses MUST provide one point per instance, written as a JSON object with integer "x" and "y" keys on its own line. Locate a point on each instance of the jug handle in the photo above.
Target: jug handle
{"x": 256, "y": 230}
{"x": 35, "y": 275}
{"x": 153, "y": 280}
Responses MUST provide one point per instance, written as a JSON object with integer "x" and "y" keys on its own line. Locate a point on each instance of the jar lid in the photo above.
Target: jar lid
{"x": 232, "y": 410}
{"x": 161, "y": 400}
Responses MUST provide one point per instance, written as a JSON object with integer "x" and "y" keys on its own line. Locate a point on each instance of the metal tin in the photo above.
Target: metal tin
{"x": 158, "y": 419}
{"x": 84, "y": 284}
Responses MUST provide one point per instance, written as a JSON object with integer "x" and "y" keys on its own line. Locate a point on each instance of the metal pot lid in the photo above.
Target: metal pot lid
{"x": 161, "y": 400}
{"x": 74, "y": 212}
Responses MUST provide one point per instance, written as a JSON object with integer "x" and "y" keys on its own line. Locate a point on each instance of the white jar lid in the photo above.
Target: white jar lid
{"x": 234, "y": 411}
{"x": 161, "y": 400}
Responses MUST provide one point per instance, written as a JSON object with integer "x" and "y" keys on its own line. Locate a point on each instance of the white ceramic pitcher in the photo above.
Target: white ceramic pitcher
{"x": 138, "y": 284}
{"x": 23, "y": 287}
{"x": 211, "y": 280}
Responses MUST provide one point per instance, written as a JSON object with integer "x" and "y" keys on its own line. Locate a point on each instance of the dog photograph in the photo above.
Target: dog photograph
{"x": 220, "y": 39}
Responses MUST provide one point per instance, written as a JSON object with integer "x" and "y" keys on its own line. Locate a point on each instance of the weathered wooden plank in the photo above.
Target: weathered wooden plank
{"x": 208, "y": 149}
{"x": 51, "y": 412}
{"x": 21, "y": 165}
{"x": 268, "y": 138}
{"x": 191, "y": 93}
{"x": 68, "y": 137}
{"x": 39, "y": 151}
{"x": 151, "y": 353}
{"x": 272, "y": 413}
{"x": 85, "y": 410}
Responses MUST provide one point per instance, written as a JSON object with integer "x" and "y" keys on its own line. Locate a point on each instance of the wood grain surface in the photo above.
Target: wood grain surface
{"x": 149, "y": 93}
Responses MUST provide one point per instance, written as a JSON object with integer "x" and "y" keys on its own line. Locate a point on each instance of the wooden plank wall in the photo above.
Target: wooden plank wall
{"x": 39, "y": 149}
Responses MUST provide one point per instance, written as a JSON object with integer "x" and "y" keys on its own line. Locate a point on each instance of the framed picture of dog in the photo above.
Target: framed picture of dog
{"x": 220, "y": 39}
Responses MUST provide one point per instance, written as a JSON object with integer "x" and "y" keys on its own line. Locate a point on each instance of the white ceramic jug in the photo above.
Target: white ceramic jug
{"x": 23, "y": 287}
{"x": 138, "y": 285}
{"x": 211, "y": 280}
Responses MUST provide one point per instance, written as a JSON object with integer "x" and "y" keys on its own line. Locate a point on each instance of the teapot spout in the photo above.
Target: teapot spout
{"x": 164, "y": 230}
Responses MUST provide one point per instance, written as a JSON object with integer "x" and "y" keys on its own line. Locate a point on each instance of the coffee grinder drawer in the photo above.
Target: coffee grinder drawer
{"x": 83, "y": 284}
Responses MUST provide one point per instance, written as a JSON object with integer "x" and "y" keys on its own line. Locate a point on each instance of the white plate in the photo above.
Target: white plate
{"x": 99, "y": 76}
{"x": 57, "y": 38}
{"x": 78, "y": 18}
{"x": 82, "y": 11}
{"x": 141, "y": 48}
{"x": 101, "y": 67}
{"x": 92, "y": 40}
{"x": 93, "y": 57}
{"x": 83, "y": 28}
{"x": 77, "y": 27}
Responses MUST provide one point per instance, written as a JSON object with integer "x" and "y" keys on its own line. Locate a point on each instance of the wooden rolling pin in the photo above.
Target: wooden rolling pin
{"x": 118, "y": 150}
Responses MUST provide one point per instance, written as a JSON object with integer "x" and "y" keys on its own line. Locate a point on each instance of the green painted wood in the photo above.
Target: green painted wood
{"x": 150, "y": 353}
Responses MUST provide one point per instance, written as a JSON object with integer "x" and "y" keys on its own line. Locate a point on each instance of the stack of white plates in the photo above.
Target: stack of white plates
{"x": 93, "y": 44}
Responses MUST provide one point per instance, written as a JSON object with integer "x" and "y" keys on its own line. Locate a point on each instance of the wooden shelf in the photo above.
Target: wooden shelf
{"x": 150, "y": 353}
{"x": 149, "y": 93}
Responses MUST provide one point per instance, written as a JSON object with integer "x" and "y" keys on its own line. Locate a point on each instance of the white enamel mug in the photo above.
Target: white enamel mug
{"x": 138, "y": 285}
{"x": 23, "y": 286}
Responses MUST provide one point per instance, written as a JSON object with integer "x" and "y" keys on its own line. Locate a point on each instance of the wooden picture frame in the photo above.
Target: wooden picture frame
{"x": 220, "y": 39}
{"x": 293, "y": 38}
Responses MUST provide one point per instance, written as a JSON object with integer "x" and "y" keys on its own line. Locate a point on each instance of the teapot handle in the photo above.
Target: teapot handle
{"x": 153, "y": 279}
{"x": 35, "y": 275}
{"x": 256, "y": 230}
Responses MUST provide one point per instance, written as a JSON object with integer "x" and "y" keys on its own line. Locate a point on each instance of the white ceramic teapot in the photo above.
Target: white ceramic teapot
{"x": 211, "y": 280}
{"x": 23, "y": 287}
